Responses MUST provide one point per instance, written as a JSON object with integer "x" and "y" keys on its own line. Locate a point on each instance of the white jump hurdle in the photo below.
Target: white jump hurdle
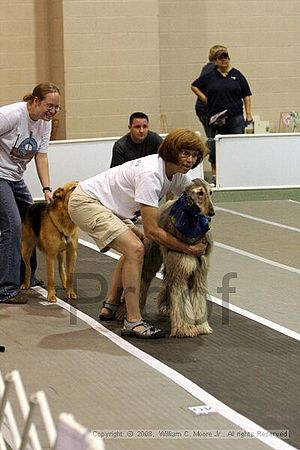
{"x": 69, "y": 435}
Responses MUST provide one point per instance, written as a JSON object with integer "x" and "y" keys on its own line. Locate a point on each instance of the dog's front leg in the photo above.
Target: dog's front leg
{"x": 180, "y": 272}
{"x": 199, "y": 293}
{"x": 50, "y": 262}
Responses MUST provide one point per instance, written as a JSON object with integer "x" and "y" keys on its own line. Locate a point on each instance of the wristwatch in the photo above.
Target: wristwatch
{"x": 47, "y": 188}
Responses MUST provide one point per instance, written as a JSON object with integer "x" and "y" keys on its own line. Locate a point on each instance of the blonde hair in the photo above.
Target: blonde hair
{"x": 213, "y": 50}
{"x": 182, "y": 139}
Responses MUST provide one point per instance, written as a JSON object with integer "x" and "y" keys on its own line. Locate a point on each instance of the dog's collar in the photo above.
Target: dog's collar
{"x": 188, "y": 219}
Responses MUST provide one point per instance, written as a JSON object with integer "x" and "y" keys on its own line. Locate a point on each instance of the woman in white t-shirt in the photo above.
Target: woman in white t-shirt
{"x": 101, "y": 204}
{"x": 25, "y": 129}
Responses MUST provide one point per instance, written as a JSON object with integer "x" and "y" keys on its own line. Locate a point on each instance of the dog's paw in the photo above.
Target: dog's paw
{"x": 191, "y": 330}
{"x": 24, "y": 286}
{"x": 51, "y": 298}
{"x": 71, "y": 295}
{"x": 204, "y": 328}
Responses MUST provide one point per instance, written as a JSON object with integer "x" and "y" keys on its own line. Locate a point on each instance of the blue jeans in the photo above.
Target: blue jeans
{"x": 14, "y": 199}
{"x": 234, "y": 125}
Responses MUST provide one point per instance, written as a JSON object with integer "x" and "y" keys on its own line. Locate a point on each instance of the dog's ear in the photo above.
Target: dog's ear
{"x": 70, "y": 186}
{"x": 58, "y": 193}
{"x": 74, "y": 185}
{"x": 197, "y": 182}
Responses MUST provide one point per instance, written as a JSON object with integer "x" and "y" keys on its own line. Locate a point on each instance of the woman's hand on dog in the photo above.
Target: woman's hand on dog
{"x": 199, "y": 249}
{"x": 48, "y": 196}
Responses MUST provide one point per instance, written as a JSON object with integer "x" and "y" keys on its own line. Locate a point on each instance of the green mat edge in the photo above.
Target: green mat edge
{"x": 220, "y": 196}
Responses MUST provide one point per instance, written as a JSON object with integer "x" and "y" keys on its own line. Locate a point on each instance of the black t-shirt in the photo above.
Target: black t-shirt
{"x": 125, "y": 149}
{"x": 224, "y": 92}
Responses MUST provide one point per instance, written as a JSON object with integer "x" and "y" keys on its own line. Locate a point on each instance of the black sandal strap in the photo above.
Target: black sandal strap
{"x": 110, "y": 306}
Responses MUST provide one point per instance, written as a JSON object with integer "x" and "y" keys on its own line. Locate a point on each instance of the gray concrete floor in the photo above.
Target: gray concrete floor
{"x": 109, "y": 384}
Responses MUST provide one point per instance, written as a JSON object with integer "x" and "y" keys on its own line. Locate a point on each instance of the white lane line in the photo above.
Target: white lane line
{"x": 112, "y": 254}
{"x": 257, "y": 258}
{"x": 228, "y": 413}
{"x": 249, "y": 315}
{"x": 262, "y": 320}
{"x": 257, "y": 219}
{"x": 243, "y": 312}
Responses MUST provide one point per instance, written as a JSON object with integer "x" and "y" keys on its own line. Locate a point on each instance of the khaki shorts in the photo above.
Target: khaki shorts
{"x": 95, "y": 219}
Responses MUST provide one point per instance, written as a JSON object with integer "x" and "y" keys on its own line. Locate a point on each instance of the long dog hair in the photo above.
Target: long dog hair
{"x": 50, "y": 227}
{"x": 184, "y": 287}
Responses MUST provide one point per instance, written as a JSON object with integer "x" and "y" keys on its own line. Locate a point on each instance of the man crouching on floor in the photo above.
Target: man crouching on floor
{"x": 100, "y": 205}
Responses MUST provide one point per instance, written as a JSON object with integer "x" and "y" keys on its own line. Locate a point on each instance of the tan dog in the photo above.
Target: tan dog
{"x": 184, "y": 288}
{"x": 50, "y": 228}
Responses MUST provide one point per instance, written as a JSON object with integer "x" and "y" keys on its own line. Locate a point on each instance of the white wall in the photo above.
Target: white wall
{"x": 243, "y": 161}
{"x": 77, "y": 160}
{"x": 258, "y": 161}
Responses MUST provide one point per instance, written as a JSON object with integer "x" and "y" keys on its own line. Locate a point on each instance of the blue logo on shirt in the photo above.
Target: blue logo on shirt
{"x": 26, "y": 150}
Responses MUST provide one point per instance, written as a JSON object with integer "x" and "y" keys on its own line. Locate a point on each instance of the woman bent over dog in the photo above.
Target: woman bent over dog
{"x": 101, "y": 204}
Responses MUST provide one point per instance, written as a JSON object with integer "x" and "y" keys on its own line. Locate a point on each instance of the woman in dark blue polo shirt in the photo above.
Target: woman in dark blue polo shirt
{"x": 225, "y": 89}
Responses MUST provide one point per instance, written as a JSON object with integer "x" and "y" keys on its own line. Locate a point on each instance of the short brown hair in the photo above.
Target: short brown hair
{"x": 138, "y": 115}
{"x": 182, "y": 139}
{"x": 40, "y": 91}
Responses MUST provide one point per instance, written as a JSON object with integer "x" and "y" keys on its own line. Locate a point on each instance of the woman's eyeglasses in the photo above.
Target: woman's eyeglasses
{"x": 187, "y": 154}
{"x": 51, "y": 107}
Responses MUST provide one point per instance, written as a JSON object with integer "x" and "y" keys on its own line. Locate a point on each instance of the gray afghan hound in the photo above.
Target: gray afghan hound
{"x": 184, "y": 288}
